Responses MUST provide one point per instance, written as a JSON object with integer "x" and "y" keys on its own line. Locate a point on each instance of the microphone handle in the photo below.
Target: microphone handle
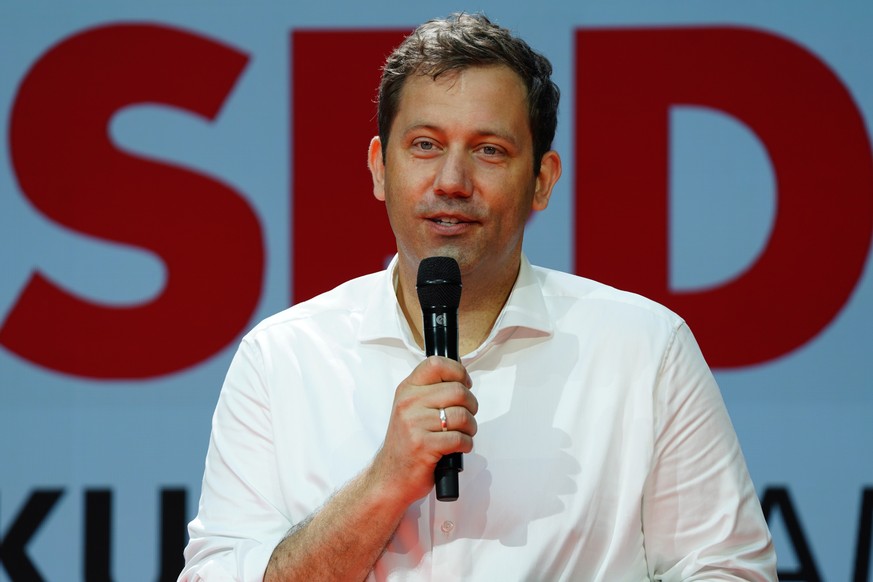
{"x": 441, "y": 339}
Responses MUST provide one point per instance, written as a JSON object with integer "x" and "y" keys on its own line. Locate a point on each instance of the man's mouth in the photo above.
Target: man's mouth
{"x": 446, "y": 221}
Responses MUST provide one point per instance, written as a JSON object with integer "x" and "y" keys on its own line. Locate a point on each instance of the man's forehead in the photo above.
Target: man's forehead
{"x": 496, "y": 85}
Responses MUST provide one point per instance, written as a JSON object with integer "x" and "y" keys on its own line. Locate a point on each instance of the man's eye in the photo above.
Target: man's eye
{"x": 490, "y": 151}
{"x": 425, "y": 145}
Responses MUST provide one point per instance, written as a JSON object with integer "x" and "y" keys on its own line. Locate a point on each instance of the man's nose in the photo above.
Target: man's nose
{"x": 453, "y": 175}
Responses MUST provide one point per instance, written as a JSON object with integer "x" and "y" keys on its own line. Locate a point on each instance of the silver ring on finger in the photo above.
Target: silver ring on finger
{"x": 443, "y": 421}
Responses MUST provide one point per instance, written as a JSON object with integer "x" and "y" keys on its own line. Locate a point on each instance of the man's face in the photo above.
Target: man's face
{"x": 458, "y": 175}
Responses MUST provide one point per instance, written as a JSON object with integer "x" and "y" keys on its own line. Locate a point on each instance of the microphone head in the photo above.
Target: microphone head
{"x": 439, "y": 282}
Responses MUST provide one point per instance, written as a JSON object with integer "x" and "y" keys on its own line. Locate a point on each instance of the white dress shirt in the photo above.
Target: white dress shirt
{"x": 604, "y": 449}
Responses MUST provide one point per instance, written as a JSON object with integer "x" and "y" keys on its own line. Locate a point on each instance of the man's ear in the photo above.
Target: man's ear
{"x": 550, "y": 171}
{"x": 377, "y": 168}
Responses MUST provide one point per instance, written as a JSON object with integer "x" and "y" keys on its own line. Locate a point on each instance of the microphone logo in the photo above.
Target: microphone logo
{"x": 441, "y": 319}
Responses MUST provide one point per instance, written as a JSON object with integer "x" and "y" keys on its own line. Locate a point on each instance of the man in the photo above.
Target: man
{"x": 602, "y": 451}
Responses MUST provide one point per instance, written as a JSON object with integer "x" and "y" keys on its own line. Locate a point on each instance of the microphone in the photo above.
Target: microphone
{"x": 439, "y": 293}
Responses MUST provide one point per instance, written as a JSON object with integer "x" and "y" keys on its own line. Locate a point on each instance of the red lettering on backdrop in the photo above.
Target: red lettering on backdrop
{"x": 340, "y": 230}
{"x": 206, "y": 234}
{"x": 626, "y": 81}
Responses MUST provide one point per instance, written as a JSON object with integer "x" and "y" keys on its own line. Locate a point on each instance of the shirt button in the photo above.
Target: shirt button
{"x": 447, "y": 527}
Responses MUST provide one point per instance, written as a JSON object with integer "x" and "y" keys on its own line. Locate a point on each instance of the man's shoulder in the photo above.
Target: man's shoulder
{"x": 585, "y": 293}
{"x": 343, "y": 301}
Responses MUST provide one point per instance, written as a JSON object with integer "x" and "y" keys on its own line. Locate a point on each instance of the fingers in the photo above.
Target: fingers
{"x": 442, "y": 383}
{"x": 436, "y": 369}
{"x": 435, "y": 384}
{"x": 458, "y": 418}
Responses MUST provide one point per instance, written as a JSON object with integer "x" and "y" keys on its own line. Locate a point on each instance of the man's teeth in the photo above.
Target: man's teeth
{"x": 447, "y": 220}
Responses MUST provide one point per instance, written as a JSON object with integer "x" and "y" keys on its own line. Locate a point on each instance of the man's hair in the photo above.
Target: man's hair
{"x": 468, "y": 40}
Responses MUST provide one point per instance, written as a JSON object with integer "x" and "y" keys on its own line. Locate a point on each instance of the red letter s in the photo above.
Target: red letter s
{"x": 205, "y": 232}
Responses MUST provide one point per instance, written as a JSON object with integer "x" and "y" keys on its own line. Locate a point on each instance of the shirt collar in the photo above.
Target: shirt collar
{"x": 525, "y": 307}
{"x": 383, "y": 319}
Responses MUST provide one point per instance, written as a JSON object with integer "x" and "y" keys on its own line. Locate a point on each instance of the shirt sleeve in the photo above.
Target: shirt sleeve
{"x": 240, "y": 519}
{"x": 701, "y": 516}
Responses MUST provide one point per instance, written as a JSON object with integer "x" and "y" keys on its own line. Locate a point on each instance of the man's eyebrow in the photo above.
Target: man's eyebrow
{"x": 420, "y": 126}
{"x": 506, "y": 136}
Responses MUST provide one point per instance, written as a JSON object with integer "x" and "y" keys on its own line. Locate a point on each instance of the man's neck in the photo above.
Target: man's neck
{"x": 481, "y": 303}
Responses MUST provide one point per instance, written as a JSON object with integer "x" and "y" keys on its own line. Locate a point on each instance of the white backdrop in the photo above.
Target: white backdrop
{"x": 88, "y": 449}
